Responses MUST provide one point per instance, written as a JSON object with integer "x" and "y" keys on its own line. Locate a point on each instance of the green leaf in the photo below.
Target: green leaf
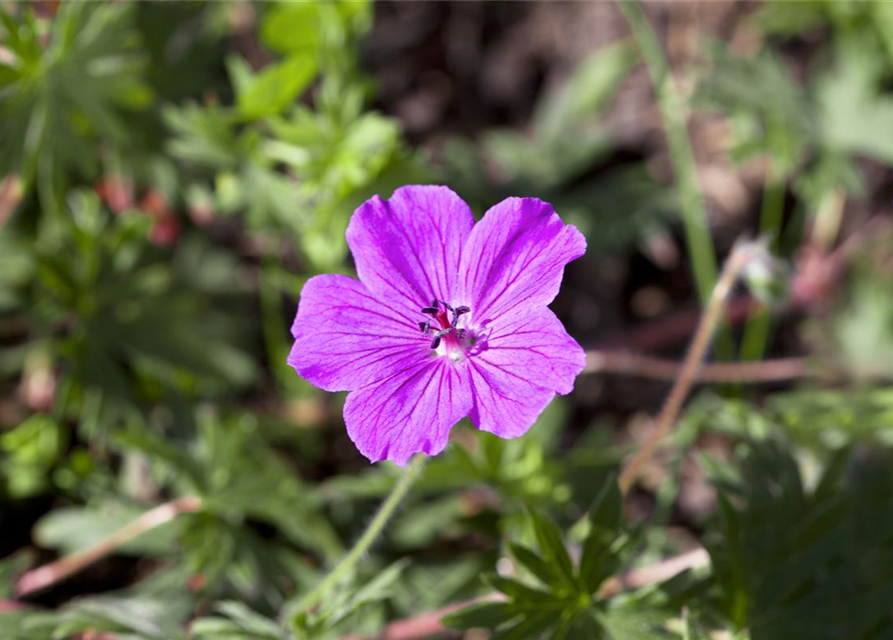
{"x": 275, "y": 87}
{"x": 249, "y": 621}
{"x": 531, "y": 627}
{"x": 520, "y": 591}
{"x": 543, "y": 571}
{"x": 552, "y": 547}
{"x": 61, "y": 99}
{"x": 486, "y": 615}
{"x": 292, "y": 26}
{"x": 604, "y": 518}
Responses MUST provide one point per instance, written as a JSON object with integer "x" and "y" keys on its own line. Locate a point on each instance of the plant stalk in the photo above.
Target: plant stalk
{"x": 694, "y": 214}
{"x": 364, "y": 543}
{"x": 755, "y": 339}
{"x": 741, "y": 255}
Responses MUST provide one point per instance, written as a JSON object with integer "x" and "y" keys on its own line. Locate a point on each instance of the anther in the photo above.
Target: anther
{"x": 437, "y": 336}
{"x": 425, "y": 327}
{"x": 458, "y": 311}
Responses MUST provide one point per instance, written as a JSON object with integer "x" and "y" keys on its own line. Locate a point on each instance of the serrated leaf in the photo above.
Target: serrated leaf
{"x": 520, "y": 591}
{"x": 486, "y": 615}
{"x": 249, "y": 621}
{"x": 552, "y": 547}
{"x": 604, "y": 517}
{"x": 541, "y": 569}
{"x": 273, "y": 88}
{"x": 531, "y": 627}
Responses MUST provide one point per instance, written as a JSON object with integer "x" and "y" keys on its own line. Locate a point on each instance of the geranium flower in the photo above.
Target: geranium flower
{"x": 448, "y": 319}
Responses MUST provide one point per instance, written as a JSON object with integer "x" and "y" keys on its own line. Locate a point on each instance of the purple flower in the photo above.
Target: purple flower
{"x": 448, "y": 319}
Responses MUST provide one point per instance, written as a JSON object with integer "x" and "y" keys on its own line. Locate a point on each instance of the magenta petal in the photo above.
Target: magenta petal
{"x": 515, "y": 257}
{"x": 528, "y": 358}
{"x": 407, "y": 249}
{"x": 345, "y": 338}
{"x": 410, "y": 412}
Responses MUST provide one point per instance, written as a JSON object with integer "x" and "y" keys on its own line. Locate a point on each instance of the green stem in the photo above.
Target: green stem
{"x": 671, "y": 104}
{"x": 375, "y": 528}
{"x": 694, "y": 214}
{"x": 756, "y": 331}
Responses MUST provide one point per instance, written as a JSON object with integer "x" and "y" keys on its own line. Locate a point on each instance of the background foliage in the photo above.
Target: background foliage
{"x": 173, "y": 172}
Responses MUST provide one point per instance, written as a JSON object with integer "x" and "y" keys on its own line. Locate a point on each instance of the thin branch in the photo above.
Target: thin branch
{"x": 621, "y": 362}
{"x": 48, "y": 574}
{"x": 742, "y": 254}
{"x": 428, "y": 624}
{"x": 652, "y": 574}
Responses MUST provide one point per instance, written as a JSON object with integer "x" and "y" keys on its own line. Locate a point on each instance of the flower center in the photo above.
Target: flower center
{"x": 443, "y": 327}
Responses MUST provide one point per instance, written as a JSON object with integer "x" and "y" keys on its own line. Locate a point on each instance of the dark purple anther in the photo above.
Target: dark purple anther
{"x": 437, "y": 336}
{"x": 458, "y": 311}
{"x": 425, "y": 327}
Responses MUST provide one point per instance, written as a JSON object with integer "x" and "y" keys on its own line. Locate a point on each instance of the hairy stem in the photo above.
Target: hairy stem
{"x": 742, "y": 254}
{"x": 363, "y": 544}
{"x": 48, "y": 574}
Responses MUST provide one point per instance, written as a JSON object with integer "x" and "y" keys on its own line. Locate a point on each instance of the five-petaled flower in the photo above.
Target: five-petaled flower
{"x": 448, "y": 319}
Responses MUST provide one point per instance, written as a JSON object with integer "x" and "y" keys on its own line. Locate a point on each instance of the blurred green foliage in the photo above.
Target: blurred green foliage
{"x": 172, "y": 174}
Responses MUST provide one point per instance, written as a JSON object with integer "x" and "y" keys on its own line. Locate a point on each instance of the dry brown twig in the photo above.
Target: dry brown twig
{"x": 48, "y": 574}
{"x": 634, "y": 364}
{"x": 742, "y": 255}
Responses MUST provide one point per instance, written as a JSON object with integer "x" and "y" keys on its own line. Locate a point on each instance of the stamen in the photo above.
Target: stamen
{"x": 440, "y": 323}
{"x": 458, "y": 311}
{"x": 437, "y": 336}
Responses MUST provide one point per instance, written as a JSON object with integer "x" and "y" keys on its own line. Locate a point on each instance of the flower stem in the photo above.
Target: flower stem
{"x": 375, "y": 528}
{"x": 741, "y": 255}
{"x": 756, "y": 331}
{"x": 672, "y": 108}
{"x": 671, "y": 103}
